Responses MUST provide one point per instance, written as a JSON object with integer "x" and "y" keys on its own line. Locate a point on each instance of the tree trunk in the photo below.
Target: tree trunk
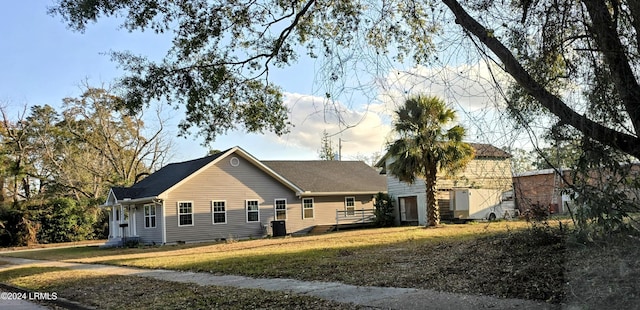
{"x": 3, "y": 191}
{"x": 613, "y": 50}
{"x": 433, "y": 210}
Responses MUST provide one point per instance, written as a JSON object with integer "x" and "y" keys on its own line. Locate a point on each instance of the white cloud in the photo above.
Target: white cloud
{"x": 361, "y": 131}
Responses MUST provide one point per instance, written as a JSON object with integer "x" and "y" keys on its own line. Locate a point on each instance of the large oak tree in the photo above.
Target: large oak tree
{"x": 80, "y": 151}
{"x": 223, "y": 52}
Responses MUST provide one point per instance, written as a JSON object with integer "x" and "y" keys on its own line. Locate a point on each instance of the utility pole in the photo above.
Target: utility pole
{"x": 340, "y": 149}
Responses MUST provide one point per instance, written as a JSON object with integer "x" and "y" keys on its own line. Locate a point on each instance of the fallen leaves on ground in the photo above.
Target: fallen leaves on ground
{"x": 131, "y": 292}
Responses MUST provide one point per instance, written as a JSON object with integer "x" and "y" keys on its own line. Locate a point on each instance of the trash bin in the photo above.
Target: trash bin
{"x": 279, "y": 228}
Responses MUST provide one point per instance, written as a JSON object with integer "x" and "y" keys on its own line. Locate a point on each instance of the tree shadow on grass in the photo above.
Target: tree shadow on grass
{"x": 508, "y": 265}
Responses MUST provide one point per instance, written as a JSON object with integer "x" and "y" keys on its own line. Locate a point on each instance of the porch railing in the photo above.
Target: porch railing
{"x": 355, "y": 216}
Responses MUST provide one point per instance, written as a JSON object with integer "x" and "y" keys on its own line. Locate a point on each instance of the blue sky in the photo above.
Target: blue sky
{"x": 43, "y": 62}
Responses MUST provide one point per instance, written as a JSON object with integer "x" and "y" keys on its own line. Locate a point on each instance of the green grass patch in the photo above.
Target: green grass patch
{"x": 15, "y": 273}
{"x": 87, "y": 252}
{"x": 504, "y": 259}
{"x": 53, "y": 245}
{"x": 58, "y": 254}
{"x": 355, "y": 238}
{"x": 258, "y": 257}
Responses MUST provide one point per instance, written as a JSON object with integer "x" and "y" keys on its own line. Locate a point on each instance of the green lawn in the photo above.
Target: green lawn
{"x": 270, "y": 246}
{"x": 503, "y": 259}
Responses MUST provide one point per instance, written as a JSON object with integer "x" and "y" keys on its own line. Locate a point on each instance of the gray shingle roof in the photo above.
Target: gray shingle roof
{"x": 127, "y": 192}
{"x": 310, "y": 176}
{"x": 330, "y": 176}
{"x": 163, "y": 179}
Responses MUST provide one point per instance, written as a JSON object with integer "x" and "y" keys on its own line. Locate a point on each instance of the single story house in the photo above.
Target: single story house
{"x": 234, "y": 195}
{"x": 490, "y": 169}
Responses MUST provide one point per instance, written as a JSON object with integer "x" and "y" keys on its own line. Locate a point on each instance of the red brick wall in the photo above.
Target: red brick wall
{"x": 543, "y": 189}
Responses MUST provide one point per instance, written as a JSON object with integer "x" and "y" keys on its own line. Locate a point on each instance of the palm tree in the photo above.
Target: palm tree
{"x": 425, "y": 146}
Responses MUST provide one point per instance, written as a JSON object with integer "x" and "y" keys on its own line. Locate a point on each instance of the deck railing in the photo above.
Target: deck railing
{"x": 355, "y": 216}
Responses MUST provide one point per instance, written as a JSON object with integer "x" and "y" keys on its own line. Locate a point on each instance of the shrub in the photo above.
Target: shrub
{"x": 536, "y": 213}
{"x": 101, "y": 225}
{"x": 63, "y": 220}
{"x": 132, "y": 243}
{"x": 605, "y": 186}
{"x": 383, "y": 210}
{"x": 17, "y": 227}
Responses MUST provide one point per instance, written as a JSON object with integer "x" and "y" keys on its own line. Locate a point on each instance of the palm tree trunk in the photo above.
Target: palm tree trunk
{"x": 433, "y": 210}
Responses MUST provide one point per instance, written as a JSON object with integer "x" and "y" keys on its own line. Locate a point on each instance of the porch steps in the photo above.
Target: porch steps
{"x": 322, "y": 229}
{"x": 112, "y": 243}
{"x": 121, "y": 242}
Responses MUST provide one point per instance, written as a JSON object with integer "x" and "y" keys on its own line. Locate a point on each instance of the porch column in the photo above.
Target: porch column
{"x": 132, "y": 221}
{"x": 121, "y": 231}
{"x": 116, "y": 220}
{"x": 111, "y": 217}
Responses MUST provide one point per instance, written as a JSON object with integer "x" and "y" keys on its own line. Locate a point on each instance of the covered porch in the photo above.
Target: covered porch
{"x": 122, "y": 225}
{"x": 123, "y": 209}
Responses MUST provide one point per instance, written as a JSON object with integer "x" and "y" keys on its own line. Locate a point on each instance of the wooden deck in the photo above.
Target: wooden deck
{"x": 323, "y": 229}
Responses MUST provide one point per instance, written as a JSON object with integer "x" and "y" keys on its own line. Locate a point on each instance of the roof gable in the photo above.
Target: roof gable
{"x": 484, "y": 150}
{"x": 172, "y": 175}
{"x": 120, "y": 193}
{"x": 164, "y": 179}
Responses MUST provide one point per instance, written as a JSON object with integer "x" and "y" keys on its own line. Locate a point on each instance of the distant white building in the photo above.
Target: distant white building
{"x": 490, "y": 169}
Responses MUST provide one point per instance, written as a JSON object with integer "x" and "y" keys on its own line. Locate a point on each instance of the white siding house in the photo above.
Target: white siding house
{"x": 490, "y": 169}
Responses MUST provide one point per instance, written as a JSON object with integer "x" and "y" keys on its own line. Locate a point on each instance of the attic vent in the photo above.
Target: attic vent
{"x": 234, "y": 161}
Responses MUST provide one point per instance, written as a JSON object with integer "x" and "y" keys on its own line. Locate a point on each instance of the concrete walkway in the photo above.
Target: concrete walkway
{"x": 368, "y": 296}
{"x": 20, "y": 304}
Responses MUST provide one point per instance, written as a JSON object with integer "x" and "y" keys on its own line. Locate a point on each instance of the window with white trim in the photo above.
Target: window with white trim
{"x": 350, "y": 205}
{"x": 253, "y": 211}
{"x": 307, "y": 208}
{"x": 185, "y": 213}
{"x": 280, "y": 206}
{"x": 150, "y": 216}
{"x": 219, "y": 212}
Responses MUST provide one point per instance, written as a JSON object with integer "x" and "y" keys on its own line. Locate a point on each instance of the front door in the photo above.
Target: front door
{"x": 408, "y": 210}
